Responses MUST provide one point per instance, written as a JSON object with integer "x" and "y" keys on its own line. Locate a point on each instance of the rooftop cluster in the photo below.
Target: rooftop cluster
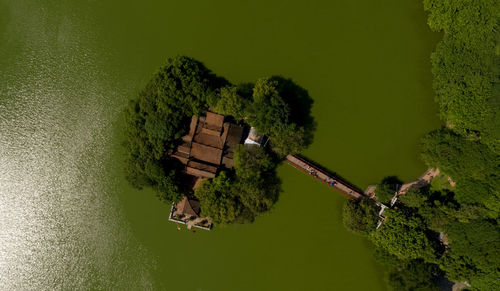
{"x": 209, "y": 145}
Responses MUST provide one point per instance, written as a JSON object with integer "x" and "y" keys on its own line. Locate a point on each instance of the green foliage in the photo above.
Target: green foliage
{"x": 360, "y": 216}
{"x": 472, "y": 165}
{"x": 269, "y": 111}
{"x": 403, "y": 235}
{"x": 253, "y": 189}
{"x": 251, "y": 162}
{"x": 272, "y": 115}
{"x": 218, "y": 200}
{"x": 469, "y": 21}
{"x": 465, "y": 69}
{"x": 387, "y": 188}
{"x": 441, "y": 183}
{"x": 290, "y": 140}
{"x": 257, "y": 183}
{"x": 474, "y": 253}
{"x": 415, "y": 275}
{"x": 231, "y": 103}
{"x": 437, "y": 209}
{"x": 408, "y": 274}
{"x": 464, "y": 66}
{"x": 413, "y": 198}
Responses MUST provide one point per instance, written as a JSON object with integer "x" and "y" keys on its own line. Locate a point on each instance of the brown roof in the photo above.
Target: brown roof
{"x": 211, "y": 131}
{"x": 206, "y": 153}
{"x": 182, "y": 157}
{"x": 207, "y": 139}
{"x": 185, "y": 207}
{"x": 202, "y": 166}
{"x": 214, "y": 120}
{"x": 199, "y": 173}
{"x": 227, "y": 162}
{"x": 195, "y": 205}
{"x": 184, "y": 148}
{"x": 234, "y": 135}
{"x": 198, "y": 182}
{"x": 225, "y": 131}
{"x": 200, "y": 169}
{"x": 192, "y": 129}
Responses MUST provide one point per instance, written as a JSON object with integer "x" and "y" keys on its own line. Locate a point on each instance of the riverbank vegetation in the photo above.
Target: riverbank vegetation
{"x": 444, "y": 231}
{"x": 160, "y": 116}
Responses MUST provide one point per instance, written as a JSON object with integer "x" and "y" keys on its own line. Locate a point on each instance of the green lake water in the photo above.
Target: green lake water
{"x": 69, "y": 220}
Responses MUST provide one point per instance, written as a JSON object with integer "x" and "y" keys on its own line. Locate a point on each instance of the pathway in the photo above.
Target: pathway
{"x": 323, "y": 176}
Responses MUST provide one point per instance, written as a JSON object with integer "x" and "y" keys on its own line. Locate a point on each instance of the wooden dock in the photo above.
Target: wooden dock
{"x": 323, "y": 176}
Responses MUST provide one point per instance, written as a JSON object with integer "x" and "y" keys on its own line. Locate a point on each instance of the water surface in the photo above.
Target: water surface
{"x": 68, "y": 219}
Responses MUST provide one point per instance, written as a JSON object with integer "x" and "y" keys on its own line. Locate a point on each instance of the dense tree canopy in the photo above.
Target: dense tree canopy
{"x": 415, "y": 275}
{"x": 474, "y": 253}
{"x": 465, "y": 66}
{"x": 218, "y": 199}
{"x": 252, "y": 189}
{"x": 403, "y": 235}
{"x": 465, "y": 69}
{"x": 474, "y": 166}
{"x": 468, "y": 251}
{"x": 360, "y": 216}
{"x": 272, "y": 114}
{"x": 437, "y": 209}
{"x": 408, "y": 275}
{"x": 231, "y": 103}
{"x": 257, "y": 182}
{"x": 387, "y": 189}
{"x": 414, "y": 197}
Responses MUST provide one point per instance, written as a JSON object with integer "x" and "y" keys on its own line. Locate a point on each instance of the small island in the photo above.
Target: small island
{"x": 211, "y": 148}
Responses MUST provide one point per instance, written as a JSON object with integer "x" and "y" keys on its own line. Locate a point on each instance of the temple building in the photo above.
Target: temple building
{"x": 209, "y": 145}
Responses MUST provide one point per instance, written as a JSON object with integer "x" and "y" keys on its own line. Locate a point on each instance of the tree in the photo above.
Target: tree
{"x": 360, "y": 216}
{"x": 387, "y": 189}
{"x": 414, "y": 197}
{"x": 415, "y": 275}
{"x": 408, "y": 274}
{"x": 473, "y": 165}
{"x": 464, "y": 66}
{"x": 403, "y": 235}
{"x": 290, "y": 140}
{"x": 231, "y": 103}
{"x": 270, "y": 114}
{"x": 217, "y": 199}
{"x": 474, "y": 253}
{"x": 256, "y": 180}
{"x": 252, "y": 190}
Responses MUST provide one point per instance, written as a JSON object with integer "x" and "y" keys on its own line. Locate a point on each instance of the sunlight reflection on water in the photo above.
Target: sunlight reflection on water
{"x": 61, "y": 225}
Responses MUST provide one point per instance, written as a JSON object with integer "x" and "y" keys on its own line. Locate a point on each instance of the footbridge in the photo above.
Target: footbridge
{"x": 324, "y": 176}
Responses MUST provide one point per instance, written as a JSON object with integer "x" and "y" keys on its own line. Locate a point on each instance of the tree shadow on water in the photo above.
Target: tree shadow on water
{"x": 300, "y": 104}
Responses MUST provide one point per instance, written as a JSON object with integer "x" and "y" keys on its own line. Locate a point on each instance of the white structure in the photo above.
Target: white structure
{"x": 253, "y": 138}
